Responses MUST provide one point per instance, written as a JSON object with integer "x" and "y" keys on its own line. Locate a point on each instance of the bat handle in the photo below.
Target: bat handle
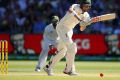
{"x": 95, "y": 19}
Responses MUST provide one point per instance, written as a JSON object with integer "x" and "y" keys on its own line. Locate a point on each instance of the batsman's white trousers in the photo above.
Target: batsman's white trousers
{"x": 66, "y": 47}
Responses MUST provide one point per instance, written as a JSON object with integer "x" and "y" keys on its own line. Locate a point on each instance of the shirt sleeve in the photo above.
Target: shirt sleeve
{"x": 46, "y": 31}
{"x": 73, "y": 7}
{"x": 86, "y": 17}
{"x": 86, "y": 20}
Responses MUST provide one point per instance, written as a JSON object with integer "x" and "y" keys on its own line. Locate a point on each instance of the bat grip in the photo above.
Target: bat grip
{"x": 95, "y": 19}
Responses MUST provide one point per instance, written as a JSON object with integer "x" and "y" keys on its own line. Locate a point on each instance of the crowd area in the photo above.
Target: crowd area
{"x": 32, "y": 16}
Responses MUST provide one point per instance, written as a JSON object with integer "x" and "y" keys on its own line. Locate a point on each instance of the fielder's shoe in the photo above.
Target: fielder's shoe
{"x": 37, "y": 69}
{"x": 70, "y": 73}
{"x": 49, "y": 72}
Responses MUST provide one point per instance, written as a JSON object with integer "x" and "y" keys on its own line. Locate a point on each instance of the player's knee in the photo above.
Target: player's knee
{"x": 72, "y": 48}
{"x": 62, "y": 52}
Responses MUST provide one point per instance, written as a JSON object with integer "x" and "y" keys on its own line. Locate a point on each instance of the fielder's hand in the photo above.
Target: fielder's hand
{"x": 51, "y": 46}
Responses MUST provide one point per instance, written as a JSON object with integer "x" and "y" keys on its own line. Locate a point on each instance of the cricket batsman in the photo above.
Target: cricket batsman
{"x": 50, "y": 40}
{"x": 77, "y": 14}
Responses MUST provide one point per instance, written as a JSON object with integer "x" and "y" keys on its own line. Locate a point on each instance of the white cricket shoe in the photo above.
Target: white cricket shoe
{"x": 70, "y": 73}
{"x": 37, "y": 69}
{"x": 49, "y": 72}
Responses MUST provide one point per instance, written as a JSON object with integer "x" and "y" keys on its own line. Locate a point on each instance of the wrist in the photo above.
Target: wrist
{"x": 95, "y": 19}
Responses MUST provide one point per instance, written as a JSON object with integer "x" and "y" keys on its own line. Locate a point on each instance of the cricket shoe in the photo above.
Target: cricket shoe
{"x": 37, "y": 69}
{"x": 70, "y": 73}
{"x": 49, "y": 72}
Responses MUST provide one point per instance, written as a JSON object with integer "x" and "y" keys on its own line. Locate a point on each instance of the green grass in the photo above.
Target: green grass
{"x": 24, "y": 70}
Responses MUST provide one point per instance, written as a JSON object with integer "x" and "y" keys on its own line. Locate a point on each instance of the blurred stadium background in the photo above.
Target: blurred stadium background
{"x": 22, "y": 23}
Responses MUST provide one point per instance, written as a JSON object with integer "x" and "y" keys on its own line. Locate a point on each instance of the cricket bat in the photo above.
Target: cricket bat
{"x": 106, "y": 17}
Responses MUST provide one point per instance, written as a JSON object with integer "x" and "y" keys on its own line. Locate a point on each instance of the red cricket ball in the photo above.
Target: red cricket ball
{"x": 101, "y": 75}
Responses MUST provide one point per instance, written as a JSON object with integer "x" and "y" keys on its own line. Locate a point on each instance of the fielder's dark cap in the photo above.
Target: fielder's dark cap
{"x": 55, "y": 18}
{"x": 85, "y": 2}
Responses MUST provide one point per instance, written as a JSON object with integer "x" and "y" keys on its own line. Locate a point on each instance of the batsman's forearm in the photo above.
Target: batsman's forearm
{"x": 89, "y": 22}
